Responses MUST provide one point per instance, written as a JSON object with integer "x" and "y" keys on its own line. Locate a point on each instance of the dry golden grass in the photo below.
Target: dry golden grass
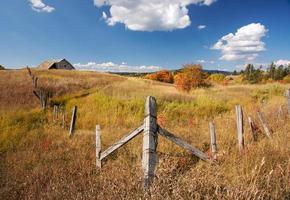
{"x": 39, "y": 161}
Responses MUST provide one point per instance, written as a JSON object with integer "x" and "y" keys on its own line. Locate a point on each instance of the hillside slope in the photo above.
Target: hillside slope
{"x": 39, "y": 161}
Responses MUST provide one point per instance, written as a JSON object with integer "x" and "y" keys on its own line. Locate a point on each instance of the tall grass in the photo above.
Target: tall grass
{"x": 39, "y": 161}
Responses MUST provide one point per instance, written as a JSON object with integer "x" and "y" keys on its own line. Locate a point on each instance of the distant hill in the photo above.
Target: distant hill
{"x": 1, "y": 67}
{"x": 136, "y": 74}
{"x": 208, "y": 71}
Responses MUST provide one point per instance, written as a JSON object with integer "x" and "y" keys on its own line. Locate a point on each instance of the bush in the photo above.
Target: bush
{"x": 162, "y": 76}
{"x": 286, "y": 79}
{"x": 1, "y": 67}
{"x": 217, "y": 78}
{"x": 191, "y": 76}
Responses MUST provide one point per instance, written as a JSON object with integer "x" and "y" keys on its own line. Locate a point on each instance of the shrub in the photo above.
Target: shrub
{"x": 217, "y": 78}
{"x": 191, "y": 76}
{"x": 286, "y": 79}
{"x": 162, "y": 76}
{"x": 1, "y": 67}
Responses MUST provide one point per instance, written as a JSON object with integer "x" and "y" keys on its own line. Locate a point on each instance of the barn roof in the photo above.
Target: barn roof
{"x": 48, "y": 63}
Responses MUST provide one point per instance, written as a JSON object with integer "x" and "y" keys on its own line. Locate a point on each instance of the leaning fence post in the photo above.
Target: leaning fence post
{"x": 253, "y": 129}
{"x": 73, "y": 121}
{"x": 63, "y": 118}
{"x": 264, "y": 124}
{"x": 55, "y": 113}
{"x": 98, "y": 146}
{"x": 149, "y": 157}
{"x": 34, "y": 81}
{"x": 213, "y": 140}
{"x": 288, "y": 100}
{"x": 29, "y": 71}
{"x": 280, "y": 113}
{"x": 240, "y": 128}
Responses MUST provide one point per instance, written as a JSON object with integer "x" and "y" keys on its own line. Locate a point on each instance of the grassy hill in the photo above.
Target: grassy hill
{"x": 39, "y": 161}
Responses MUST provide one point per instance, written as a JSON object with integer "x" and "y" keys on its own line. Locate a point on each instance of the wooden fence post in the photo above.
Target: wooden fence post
{"x": 240, "y": 127}
{"x": 98, "y": 146}
{"x": 213, "y": 140}
{"x": 63, "y": 118}
{"x": 73, "y": 121}
{"x": 264, "y": 124}
{"x": 35, "y": 82}
{"x": 29, "y": 71}
{"x": 149, "y": 157}
{"x": 288, "y": 100}
{"x": 280, "y": 114}
{"x": 55, "y": 113}
{"x": 253, "y": 129}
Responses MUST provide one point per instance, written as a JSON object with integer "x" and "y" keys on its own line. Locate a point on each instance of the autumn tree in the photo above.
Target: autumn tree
{"x": 162, "y": 76}
{"x": 191, "y": 76}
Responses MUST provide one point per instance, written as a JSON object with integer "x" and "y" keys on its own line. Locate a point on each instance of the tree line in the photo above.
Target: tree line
{"x": 272, "y": 73}
{"x": 192, "y": 76}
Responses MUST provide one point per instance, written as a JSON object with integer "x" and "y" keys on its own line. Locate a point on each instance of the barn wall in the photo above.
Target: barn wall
{"x": 64, "y": 65}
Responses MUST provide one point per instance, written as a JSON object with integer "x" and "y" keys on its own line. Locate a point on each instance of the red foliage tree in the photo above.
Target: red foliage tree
{"x": 191, "y": 76}
{"x": 162, "y": 76}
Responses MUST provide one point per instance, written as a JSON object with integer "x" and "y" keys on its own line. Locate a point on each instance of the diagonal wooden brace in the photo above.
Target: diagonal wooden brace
{"x": 183, "y": 144}
{"x": 121, "y": 142}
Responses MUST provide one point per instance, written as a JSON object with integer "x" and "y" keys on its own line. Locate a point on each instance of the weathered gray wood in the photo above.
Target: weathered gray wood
{"x": 240, "y": 127}
{"x": 63, "y": 118}
{"x": 253, "y": 129}
{"x": 280, "y": 114}
{"x": 43, "y": 97}
{"x": 98, "y": 146}
{"x": 121, "y": 142}
{"x": 73, "y": 121}
{"x": 264, "y": 124}
{"x": 183, "y": 144}
{"x": 36, "y": 94}
{"x": 213, "y": 140}
{"x": 150, "y": 141}
{"x": 29, "y": 71}
{"x": 35, "y": 79}
{"x": 55, "y": 113}
{"x": 288, "y": 100}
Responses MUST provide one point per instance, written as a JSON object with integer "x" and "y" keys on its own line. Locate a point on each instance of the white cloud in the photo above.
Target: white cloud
{"x": 150, "y": 15}
{"x": 39, "y": 6}
{"x": 245, "y": 44}
{"x": 104, "y": 16}
{"x": 113, "y": 67}
{"x": 200, "y": 27}
{"x": 282, "y": 62}
{"x": 205, "y": 61}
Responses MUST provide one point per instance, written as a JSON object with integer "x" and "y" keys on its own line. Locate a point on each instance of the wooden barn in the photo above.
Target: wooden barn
{"x": 56, "y": 64}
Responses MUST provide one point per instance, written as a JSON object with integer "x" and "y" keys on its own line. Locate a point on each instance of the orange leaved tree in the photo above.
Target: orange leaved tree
{"x": 191, "y": 76}
{"x": 163, "y": 76}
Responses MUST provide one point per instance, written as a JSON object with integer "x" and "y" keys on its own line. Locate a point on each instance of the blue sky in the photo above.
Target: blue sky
{"x": 145, "y": 34}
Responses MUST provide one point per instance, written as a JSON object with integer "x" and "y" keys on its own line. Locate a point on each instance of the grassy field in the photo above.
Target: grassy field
{"x": 39, "y": 161}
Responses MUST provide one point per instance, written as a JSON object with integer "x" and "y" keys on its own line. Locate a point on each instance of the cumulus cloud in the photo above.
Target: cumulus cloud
{"x": 113, "y": 67}
{"x": 39, "y": 6}
{"x": 150, "y": 15}
{"x": 245, "y": 44}
{"x": 282, "y": 62}
{"x": 200, "y": 27}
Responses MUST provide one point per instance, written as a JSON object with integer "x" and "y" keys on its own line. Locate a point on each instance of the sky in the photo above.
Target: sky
{"x": 145, "y": 35}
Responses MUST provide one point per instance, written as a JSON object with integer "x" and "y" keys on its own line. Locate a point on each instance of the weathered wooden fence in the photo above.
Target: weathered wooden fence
{"x": 40, "y": 93}
{"x": 151, "y": 130}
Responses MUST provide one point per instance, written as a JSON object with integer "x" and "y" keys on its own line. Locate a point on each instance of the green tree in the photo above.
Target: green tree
{"x": 253, "y": 75}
